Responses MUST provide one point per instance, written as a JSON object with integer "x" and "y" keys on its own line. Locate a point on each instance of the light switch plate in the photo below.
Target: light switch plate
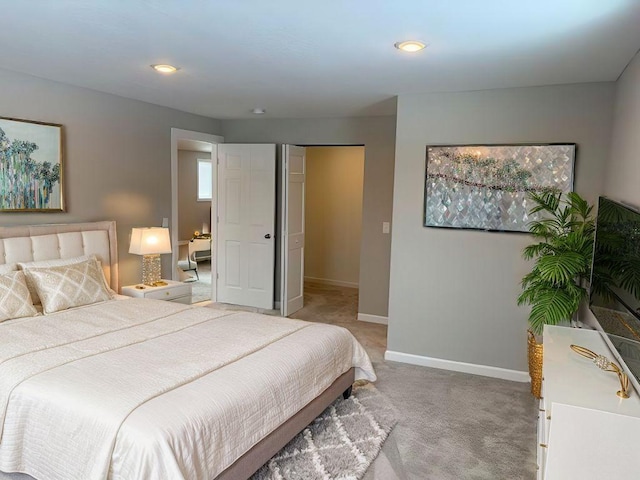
{"x": 386, "y": 227}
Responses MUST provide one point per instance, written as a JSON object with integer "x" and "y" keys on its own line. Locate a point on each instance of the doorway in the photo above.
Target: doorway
{"x": 333, "y": 222}
{"x": 193, "y": 182}
{"x": 195, "y": 197}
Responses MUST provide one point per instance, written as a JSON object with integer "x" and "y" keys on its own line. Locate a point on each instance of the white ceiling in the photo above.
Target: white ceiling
{"x": 308, "y": 58}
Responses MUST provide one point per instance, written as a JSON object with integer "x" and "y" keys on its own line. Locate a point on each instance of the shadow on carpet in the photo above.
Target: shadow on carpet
{"x": 341, "y": 443}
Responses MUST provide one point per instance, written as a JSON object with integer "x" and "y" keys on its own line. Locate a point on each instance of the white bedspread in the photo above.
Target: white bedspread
{"x": 142, "y": 389}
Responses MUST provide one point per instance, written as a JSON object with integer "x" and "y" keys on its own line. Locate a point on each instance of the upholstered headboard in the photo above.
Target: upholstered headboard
{"x": 47, "y": 242}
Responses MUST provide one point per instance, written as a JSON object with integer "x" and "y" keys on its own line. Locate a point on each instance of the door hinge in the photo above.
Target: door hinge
{"x": 217, "y": 275}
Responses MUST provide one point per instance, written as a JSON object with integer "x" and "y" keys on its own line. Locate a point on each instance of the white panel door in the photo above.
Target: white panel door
{"x": 292, "y": 253}
{"x": 246, "y": 224}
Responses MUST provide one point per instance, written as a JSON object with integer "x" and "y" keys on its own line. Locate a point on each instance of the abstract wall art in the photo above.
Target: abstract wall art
{"x": 485, "y": 187}
{"x": 31, "y": 173}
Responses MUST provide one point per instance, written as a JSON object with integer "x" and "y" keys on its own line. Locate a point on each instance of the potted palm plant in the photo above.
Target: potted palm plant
{"x": 562, "y": 264}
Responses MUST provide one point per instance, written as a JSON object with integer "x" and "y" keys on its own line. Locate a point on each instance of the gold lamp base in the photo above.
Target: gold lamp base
{"x": 152, "y": 271}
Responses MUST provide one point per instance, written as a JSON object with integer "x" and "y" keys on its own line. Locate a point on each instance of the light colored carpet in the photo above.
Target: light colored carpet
{"x": 340, "y": 444}
{"x": 453, "y": 426}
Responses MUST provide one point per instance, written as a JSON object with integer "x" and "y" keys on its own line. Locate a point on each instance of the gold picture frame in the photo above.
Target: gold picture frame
{"x": 31, "y": 166}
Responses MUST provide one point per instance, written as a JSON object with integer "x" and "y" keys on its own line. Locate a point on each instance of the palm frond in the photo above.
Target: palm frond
{"x": 552, "y": 307}
{"x": 562, "y": 257}
{"x": 563, "y": 268}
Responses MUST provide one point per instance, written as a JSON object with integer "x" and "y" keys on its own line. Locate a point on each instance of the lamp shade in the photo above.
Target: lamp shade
{"x": 150, "y": 241}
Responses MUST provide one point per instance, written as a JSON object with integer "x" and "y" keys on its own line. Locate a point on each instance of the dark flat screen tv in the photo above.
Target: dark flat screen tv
{"x": 615, "y": 280}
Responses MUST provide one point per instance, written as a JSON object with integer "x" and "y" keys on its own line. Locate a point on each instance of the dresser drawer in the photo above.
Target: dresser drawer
{"x": 172, "y": 293}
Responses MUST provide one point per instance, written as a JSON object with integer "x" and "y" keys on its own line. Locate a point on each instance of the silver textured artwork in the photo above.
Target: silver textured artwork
{"x": 485, "y": 186}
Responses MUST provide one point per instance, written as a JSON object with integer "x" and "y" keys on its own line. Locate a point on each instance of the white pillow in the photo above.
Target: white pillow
{"x": 8, "y": 267}
{"x": 56, "y": 262}
{"x": 15, "y": 301}
{"x": 67, "y": 286}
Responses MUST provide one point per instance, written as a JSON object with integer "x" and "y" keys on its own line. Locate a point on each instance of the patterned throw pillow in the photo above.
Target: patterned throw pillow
{"x": 15, "y": 301}
{"x": 69, "y": 286}
{"x": 54, "y": 262}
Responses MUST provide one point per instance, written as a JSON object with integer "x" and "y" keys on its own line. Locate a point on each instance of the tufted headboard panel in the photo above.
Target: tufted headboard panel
{"x": 47, "y": 242}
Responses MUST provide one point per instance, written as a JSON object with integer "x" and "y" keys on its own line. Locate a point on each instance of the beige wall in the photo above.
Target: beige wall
{"x": 117, "y": 156}
{"x": 623, "y": 169}
{"x": 334, "y": 214}
{"x": 191, "y": 213}
{"x": 453, "y": 292}
{"x": 377, "y": 134}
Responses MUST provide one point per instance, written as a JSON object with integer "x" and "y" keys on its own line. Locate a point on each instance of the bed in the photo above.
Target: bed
{"x": 136, "y": 388}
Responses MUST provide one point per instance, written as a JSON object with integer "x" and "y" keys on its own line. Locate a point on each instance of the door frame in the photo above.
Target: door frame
{"x": 179, "y": 134}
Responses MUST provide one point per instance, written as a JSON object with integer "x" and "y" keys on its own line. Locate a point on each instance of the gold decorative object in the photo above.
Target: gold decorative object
{"x": 152, "y": 271}
{"x": 534, "y": 351}
{"x": 603, "y": 363}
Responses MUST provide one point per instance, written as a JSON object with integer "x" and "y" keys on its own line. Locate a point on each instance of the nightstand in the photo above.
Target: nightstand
{"x": 173, "y": 292}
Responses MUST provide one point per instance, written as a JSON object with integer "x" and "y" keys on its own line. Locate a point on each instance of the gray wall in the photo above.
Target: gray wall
{"x": 623, "y": 170}
{"x": 453, "y": 292}
{"x": 377, "y": 134}
{"x": 117, "y": 160}
{"x": 191, "y": 213}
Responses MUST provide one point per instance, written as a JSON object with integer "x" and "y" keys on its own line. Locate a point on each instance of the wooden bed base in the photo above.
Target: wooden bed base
{"x": 266, "y": 448}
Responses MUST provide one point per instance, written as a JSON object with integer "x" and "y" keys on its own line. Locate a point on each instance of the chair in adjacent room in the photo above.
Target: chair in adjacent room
{"x": 199, "y": 249}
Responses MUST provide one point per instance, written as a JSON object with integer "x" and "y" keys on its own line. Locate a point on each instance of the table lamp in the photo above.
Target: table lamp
{"x": 150, "y": 242}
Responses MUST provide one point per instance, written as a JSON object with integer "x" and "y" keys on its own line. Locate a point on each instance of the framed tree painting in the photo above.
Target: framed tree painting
{"x": 31, "y": 173}
{"x": 485, "y": 187}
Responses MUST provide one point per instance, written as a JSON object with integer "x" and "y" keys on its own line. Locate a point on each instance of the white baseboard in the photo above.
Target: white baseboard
{"x": 484, "y": 370}
{"x": 366, "y": 317}
{"x": 335, "y": 283}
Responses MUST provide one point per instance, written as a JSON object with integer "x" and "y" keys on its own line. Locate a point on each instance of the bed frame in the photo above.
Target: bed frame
{"x": 266, "y": 448}
{"x": 47, "y": 242}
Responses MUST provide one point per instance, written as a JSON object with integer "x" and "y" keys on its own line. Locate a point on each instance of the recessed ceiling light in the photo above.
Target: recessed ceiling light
{"x": 163, "y": 68}
{"x": 258, "y": 111}
{"x": 410, "y": 46}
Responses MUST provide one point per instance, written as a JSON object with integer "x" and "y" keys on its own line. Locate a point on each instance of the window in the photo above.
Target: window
{"x": 205, "y": 179}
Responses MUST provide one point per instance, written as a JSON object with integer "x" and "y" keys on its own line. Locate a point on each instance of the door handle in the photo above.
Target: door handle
{"x": 267, "y": 236}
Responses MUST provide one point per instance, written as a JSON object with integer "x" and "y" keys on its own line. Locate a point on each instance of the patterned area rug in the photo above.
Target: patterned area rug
{"x": 340, "y": 444}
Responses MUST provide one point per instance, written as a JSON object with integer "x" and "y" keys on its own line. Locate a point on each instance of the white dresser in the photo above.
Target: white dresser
{"x": 173, "y": 292}
{"x": 585, "y": 431}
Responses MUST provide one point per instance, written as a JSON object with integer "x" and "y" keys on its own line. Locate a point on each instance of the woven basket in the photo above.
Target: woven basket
{"x": 535, "y": 363}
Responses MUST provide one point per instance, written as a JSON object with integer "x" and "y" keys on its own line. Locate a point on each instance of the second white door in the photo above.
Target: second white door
{"x": 293, "y": 231}
{"x": 246, "y": 224}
